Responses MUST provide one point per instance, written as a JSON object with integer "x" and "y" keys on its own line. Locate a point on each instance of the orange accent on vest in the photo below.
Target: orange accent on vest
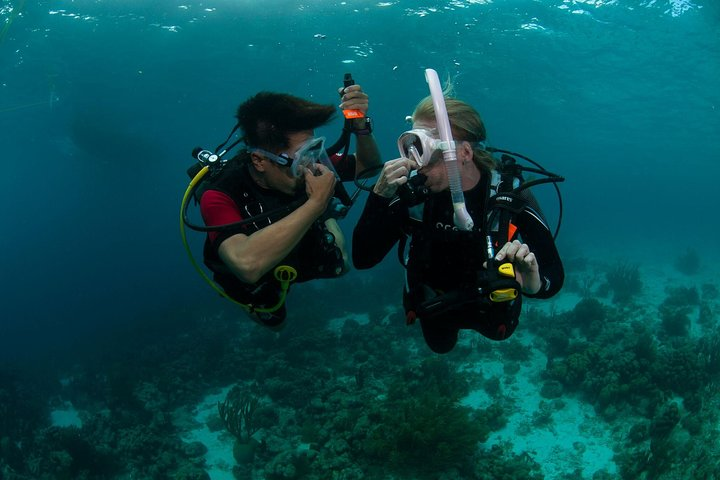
{"x": 511, "y": 231}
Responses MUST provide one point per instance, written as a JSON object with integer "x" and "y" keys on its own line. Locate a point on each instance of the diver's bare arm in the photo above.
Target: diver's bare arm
{"x": 251, "y": 257}
{"x": 368, "y": 154}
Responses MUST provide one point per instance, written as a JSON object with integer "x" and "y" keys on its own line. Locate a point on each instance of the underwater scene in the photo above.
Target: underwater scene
{"x": 118, "y": 361}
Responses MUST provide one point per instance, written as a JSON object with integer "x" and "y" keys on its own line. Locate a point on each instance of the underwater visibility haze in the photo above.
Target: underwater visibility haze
{"x": 114, "y": 354}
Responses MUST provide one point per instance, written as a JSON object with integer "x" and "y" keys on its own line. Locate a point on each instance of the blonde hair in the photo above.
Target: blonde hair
{"x": 465, "y": 123}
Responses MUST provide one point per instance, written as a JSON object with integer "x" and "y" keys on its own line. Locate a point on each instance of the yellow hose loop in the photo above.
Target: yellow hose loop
{"x": 183, "y": 236}
{"x": 285, "y": 274}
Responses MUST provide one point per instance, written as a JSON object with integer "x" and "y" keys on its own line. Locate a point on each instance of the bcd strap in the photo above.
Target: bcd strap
{"x": 509, "y": 201}
{"x": 504, "y": 207}
{"x": 505, "y": 204}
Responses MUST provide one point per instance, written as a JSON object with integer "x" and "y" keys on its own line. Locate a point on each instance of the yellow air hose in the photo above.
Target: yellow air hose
{"x": 284, "y": 274}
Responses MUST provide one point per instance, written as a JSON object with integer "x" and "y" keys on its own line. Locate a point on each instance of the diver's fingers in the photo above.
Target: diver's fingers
{"x": 351, "y": 90}
{"x": 391, "y": 163}
{"x": 355, "y": 104}
{"x": 401, "y": 171}
{"x": 403, "y": 163}
{"x": 522, "y": 251}
{"x": 529, "y": 273}
{"x": 398, "y": 181}
{"x": 353, "y": 98}
{"x": 502, "y": 253}
{"x": 394, "y": 167}
{"x": 394, "y": 173}
{"x": 518, "y": 254}
{"x": 508, "y": 251}
{"x": 357, "y": 96}
{"x": 530, "y": 262}
{"x": 319, "y": 167}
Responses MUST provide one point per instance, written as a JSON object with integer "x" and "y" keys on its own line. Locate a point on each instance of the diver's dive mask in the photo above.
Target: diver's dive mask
{"x": 309, "y": 153}
{"x": 418, "y": 145}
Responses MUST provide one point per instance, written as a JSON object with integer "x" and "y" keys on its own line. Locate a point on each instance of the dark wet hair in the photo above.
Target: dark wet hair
{"x": 267, "y": 118}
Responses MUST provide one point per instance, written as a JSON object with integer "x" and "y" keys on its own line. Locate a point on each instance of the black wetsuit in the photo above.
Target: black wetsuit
{"x": 443, "y": 262}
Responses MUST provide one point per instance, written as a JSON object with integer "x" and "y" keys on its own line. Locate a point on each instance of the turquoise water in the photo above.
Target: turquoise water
{"x": 101, "y": 103}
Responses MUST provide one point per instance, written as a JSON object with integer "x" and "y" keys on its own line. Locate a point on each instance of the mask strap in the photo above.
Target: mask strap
{"x": 232, "y": 132}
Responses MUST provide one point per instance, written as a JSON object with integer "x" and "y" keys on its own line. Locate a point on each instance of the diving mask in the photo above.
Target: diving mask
{"x": 309, "y": 153}
{"x": 418, "y": 145}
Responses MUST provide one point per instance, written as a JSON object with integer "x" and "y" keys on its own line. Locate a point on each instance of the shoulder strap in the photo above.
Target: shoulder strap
{"x": 504, "y": 203}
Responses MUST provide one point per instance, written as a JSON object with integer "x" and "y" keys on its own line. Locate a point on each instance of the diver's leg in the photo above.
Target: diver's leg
{"x": 273, "y": 320}
{"x": 439, "y": 338}
{"x": 498, "y": 321}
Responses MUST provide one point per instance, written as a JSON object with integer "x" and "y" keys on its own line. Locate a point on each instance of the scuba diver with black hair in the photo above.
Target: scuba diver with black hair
{"x": 270, "y": 211}
{"x": 459, "y": 274}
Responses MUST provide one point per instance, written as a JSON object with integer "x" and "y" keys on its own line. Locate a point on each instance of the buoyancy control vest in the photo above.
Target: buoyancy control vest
{"x": 316, "y": 255}
{"x": 439, "y": 252}
{"x": 445, "y": 273}
{"x": 445, "y": 276}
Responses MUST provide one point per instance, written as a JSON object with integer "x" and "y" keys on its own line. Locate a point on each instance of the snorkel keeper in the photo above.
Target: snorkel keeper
{"x": 461, "y": 217}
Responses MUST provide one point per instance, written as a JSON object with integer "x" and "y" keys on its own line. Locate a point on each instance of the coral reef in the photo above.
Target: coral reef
{"x": 648, "y": 363}
{"x": 623, "y": 280}
{"x": 688, "y": 262}
{"x": 237, "y": 413}
{"x": 365, "y": 401}
{"x": 589, "y": 316}
{"x": 675, "y": 310}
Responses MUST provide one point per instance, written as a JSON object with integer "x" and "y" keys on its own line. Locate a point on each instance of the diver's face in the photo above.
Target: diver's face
{"x": 435, "y": 171}
{"x": 280, "y": 177}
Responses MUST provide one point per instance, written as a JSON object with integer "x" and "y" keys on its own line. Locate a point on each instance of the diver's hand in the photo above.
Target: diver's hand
{"x": 527, "y": 271}
{"x": 394, "y": 173}
{"x": 353, "y": 98}
{"x": 319, "y": 186}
